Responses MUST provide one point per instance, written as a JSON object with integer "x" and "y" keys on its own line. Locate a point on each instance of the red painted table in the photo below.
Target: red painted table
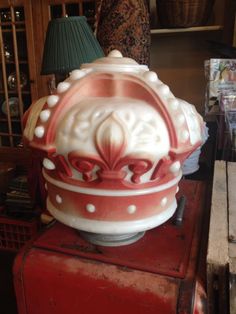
{"x": 61, "y": 273}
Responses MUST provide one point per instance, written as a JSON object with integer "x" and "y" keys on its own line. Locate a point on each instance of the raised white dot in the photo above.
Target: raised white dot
{"x": 173, "y": 103}
{"x": 150, "y": 76}
{"x": 115, "y": 54}
{"x": 44, "y": 115}
{"x": 62, "y": 87}
{"x": 77, "y": 74}
{"x": 180, "y": 119}
{"x": 164, "y": 89}
{"x": 90, "y": 208}
{"x": 175, "y": 166}
{"x": 131, "y": 209}
{"x": 87, "y": 70}
{"x": 177, "y": 189}
{"x": 184, "y": 136}
{"x": 39, "y": 131}
{"x": 52, "y": 100}
{"x": 164, "y": 202}
{"x": 48, "y": 164}
{"x": 58, "y": 199}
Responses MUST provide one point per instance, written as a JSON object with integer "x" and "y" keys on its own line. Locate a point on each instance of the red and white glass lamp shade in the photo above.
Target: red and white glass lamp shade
{"x": 113, "y": 139}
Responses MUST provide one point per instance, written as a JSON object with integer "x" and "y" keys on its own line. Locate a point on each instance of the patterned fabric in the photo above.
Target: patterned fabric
{"x": 124, "y": 25}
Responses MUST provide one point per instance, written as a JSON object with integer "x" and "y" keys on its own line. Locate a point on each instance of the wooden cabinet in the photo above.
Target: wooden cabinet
{"x": 23, "y": 25}
{"x": 17, "y": 75}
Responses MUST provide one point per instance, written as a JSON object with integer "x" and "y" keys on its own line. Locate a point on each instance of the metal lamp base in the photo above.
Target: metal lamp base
{"x": 112, "y": 239}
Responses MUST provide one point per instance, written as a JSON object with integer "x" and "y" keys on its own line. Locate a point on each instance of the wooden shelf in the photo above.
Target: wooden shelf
{"x": 12, "y": 23}
{"x": 15, "y": 92}
{"x": 18, "y": 30}
{"x": 10, "y": 134}
{"x": 186, "y": 30}
{"x": 12, "y": 120}
{"x": 13, "y": 62}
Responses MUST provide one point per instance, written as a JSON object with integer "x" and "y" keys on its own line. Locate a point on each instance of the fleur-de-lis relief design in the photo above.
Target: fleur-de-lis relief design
{"x": 111, "y": 140}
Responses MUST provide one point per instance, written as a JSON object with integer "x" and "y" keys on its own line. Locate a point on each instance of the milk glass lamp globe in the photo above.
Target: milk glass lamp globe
{"x": 113, "y": 139}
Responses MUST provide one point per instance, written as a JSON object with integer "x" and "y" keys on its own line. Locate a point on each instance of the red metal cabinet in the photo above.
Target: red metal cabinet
{"x": 161, "y": 273}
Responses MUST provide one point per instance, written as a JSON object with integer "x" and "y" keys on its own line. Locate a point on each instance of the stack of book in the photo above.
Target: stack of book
{"x": 18, "y": 201}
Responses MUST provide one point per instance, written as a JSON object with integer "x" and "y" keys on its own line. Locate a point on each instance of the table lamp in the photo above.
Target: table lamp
{"x": 69, "y": 43}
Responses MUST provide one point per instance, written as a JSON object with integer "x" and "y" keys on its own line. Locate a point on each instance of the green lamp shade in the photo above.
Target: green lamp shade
{"x": 69, "y": 43}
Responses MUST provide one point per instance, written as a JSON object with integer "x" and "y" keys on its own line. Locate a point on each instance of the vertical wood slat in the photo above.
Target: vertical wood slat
{"x": 221, "y": 258}
{"x": 232, "y": 292}
{"x": 49, "y": 13}
{"x": 64, "y": 10}
{"x": 81, "y": 12}
{"x": 4, "y": 74}
{"x": 15, "y": 47}
{"x": 31, "y": 48}
{"x": 232, "y": 200}
{"x": 217, "y": 255}
{"x": 232, "y": 235}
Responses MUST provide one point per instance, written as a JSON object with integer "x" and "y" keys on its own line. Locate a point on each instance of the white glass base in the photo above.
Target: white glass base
{"x": 112, "y": 227}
